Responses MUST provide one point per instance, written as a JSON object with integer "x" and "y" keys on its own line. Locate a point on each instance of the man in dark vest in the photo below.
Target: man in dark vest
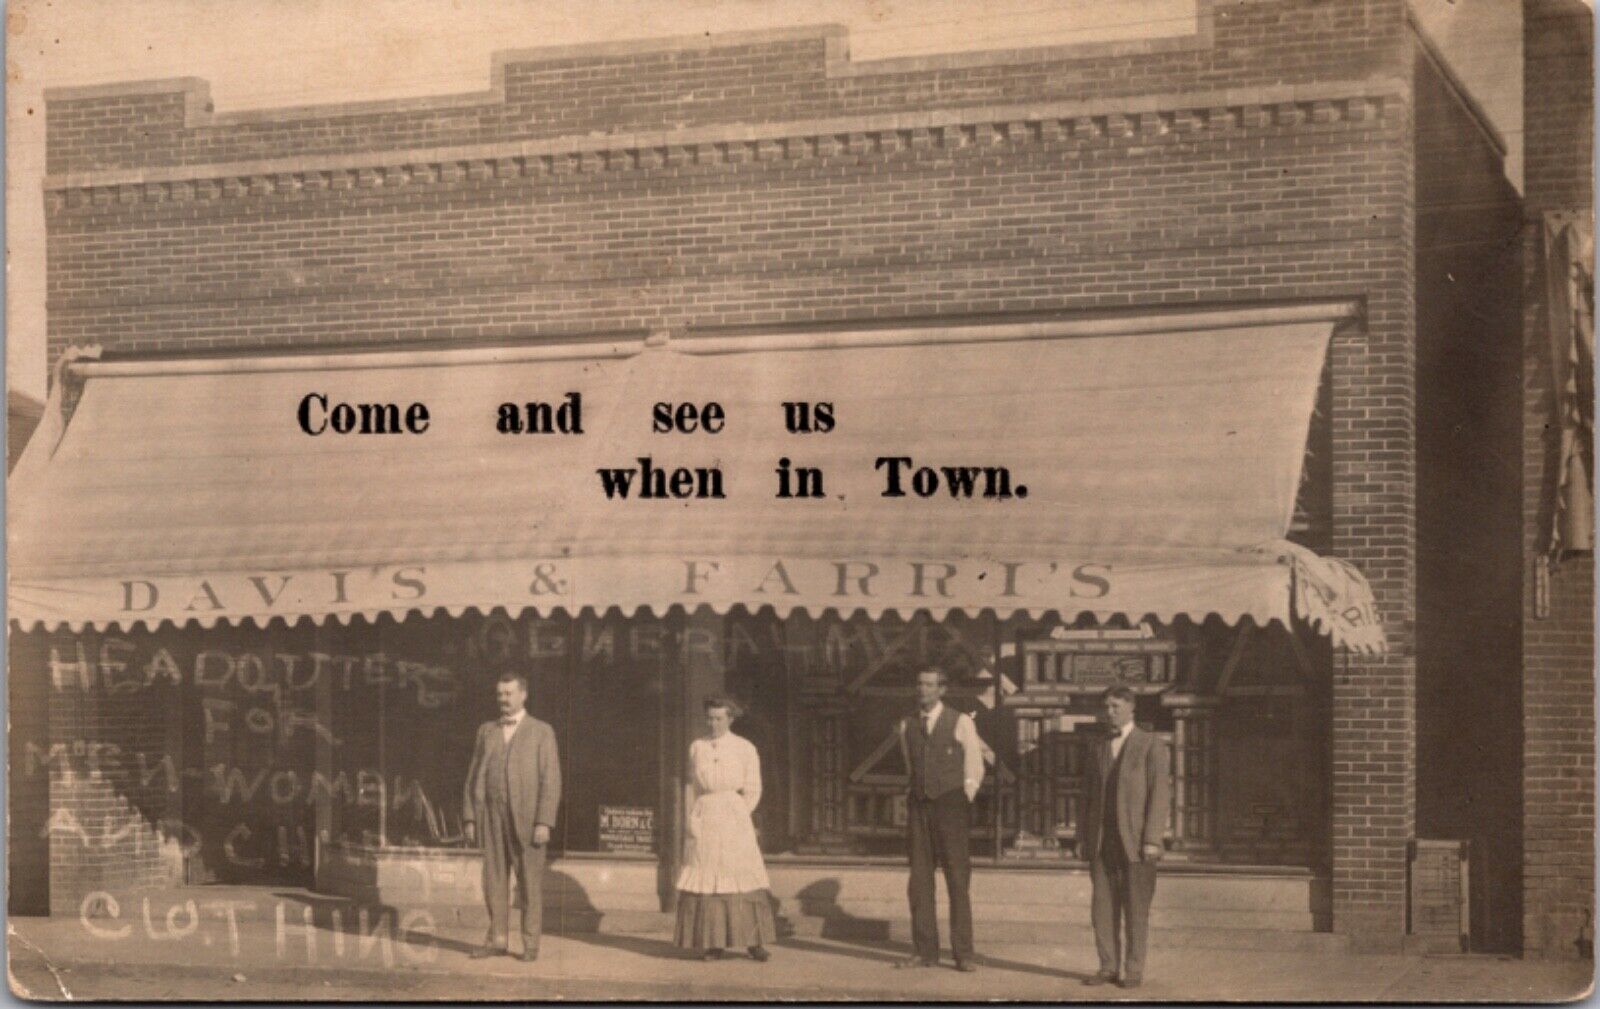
{"x": 945, "y": 759}
{"x": 1123, "y": 823}
{"x": 512, "y": 792}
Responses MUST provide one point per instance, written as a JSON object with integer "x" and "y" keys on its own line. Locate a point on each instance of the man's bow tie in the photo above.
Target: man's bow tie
{"x": 508, "y": 720}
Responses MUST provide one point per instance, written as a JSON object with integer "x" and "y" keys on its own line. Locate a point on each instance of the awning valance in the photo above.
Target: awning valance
{"x": 1150, "y": 468}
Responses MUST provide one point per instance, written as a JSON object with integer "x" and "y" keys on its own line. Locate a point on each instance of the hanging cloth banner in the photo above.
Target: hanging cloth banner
{"x": 1569, "y": 289}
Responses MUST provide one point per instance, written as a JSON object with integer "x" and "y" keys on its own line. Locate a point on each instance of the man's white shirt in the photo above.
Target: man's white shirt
{"x": 509, "y": 729}
{"x": 1120, "y": 738}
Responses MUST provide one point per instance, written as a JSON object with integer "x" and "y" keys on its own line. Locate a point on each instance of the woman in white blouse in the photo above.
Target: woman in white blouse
{"x": 724, "y": 899}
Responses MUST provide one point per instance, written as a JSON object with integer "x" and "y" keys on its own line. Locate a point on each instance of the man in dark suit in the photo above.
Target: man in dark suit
{"x": 512, "y": 793}
{"x": 945, "y": 759}
{"x": 1123, "y": 824}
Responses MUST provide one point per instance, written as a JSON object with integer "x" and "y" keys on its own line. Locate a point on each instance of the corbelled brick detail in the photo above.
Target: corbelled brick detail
{"x": 1086, "y": 221}
{"x": 793, "y": 140}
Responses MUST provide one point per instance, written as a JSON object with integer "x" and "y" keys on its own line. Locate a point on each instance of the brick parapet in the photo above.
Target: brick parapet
{"x": 686, "y": 84}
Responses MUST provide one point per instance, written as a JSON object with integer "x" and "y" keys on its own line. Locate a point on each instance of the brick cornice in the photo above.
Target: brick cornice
{"x": 737, "y": 142}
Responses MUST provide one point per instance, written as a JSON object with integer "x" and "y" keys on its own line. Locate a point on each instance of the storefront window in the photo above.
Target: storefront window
{"x": 428, "y": 683}
{"x": 610, "y": 694}
{"x": 849, "y": 682}
{"x": 251, "y": 735}
{"x": 410, "y": 728}
{"x": 1240, "y": 707}
{"x": 276, "y": 737}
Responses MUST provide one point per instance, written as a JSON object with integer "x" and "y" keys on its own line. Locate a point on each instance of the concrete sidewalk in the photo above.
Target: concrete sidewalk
{"x": 255, "y": 944}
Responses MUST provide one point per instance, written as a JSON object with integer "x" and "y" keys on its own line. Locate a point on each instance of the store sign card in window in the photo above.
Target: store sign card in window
{"x": 627, "y": 828}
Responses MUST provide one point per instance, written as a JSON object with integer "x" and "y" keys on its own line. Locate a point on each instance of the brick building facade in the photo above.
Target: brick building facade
{"x": 1285, "y": 152}
{"x": 1558, "y": 636}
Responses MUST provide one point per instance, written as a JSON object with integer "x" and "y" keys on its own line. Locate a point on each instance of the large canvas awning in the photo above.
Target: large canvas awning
{"x": 1150, "y": 469}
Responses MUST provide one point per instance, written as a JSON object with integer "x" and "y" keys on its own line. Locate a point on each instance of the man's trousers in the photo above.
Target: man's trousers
{"x": 938, "y": 832}
{"x": 505, "y": 855}
{"x": 1121, "y": 902}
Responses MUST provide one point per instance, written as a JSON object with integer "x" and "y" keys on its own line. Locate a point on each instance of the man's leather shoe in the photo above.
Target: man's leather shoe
{"x": 759, "y": 954}
{"x": 965, "y": 966}
{"x": 486, "y": 951}
{"x": 528, "y": 955}
{"x": 913, "y": 961}
{"x": 1100, "y": 978}
{"x": 1129, "y": 982}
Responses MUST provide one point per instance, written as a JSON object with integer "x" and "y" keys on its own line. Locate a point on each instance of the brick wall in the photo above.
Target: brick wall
{"x": 1270, "y": 161}
{"x": 1039, "y": 213}
{"x": 1374, "y": 515}
{"x": 1176, "y": 213}
{"x": 1558, "y": 99}
{"x": 1558, "y": 651}
{"x": 1558, "y": 772}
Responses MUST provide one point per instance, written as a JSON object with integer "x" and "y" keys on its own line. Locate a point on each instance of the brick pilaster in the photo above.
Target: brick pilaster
{"x": 1375, "y": 528}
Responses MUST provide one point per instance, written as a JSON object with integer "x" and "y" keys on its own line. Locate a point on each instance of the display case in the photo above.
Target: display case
{"x": 1056, "y": 708}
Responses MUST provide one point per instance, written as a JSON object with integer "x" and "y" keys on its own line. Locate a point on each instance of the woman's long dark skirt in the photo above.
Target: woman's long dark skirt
{"x": 724, "y": 920}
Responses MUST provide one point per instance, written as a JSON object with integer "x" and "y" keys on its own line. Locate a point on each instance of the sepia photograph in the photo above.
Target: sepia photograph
{"x": 760, "y": 500}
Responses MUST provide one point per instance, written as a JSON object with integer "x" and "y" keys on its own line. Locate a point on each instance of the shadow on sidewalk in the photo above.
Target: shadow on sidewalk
{"x": 1019, "y": 967}
{"x": 660, "y": 949}
{"x": 839, "y": 933}
{"x": 867, "y": 938}
{"x": 889, "y": 954}
{"x": 820, "y": 900}
{"x": 859, "y": 949}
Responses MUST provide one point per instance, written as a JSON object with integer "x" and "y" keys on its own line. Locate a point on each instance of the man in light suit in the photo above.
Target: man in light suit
{"x": 1123, "y": 823}
{"x": 512, "y": 792}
